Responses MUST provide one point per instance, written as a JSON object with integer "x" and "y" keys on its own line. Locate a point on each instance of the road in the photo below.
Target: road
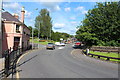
{"x": 64, "y": 62}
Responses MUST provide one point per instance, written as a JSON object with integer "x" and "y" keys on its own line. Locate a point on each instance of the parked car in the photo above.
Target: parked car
{"x": 62, "y": 44}
{"x": 77, "y": 44}
{"x": 50, "y": 46}
{"x": 59, "y": 44}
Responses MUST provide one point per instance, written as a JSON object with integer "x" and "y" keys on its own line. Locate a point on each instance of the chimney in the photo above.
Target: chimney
{"x": 22, "y": 15}
{"x": 16, "y": 16}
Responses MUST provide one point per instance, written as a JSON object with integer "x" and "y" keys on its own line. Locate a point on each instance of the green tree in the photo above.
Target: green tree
{"x": 57, "y": 35}
{"x": 101, "y": 25}
{"x": 35, "y": 32}
{"x": 43, "y": 23}
{"x": 30, "y": 28}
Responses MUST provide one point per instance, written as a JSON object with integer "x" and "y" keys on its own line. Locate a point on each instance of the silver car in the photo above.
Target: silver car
{"x": 50, "y": 46}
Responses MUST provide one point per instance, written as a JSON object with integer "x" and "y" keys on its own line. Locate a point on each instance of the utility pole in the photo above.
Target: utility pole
{"x": 1, "y": 29}
{"x": 38, "y": 31}
{"x": 50, "y": 32}
{"x": 32, "y": 36}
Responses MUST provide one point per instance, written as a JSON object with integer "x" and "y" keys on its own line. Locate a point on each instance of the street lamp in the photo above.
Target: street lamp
{"x": 38, "y": 31}
{"x": 50, "y": 32}
{"x": 32, "y": 37}
{"x": 33, "y": 32}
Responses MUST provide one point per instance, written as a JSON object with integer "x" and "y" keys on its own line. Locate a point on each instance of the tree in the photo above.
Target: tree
{"x": 101, "y": 25}
{"x": 30, "y": 30}
{"x": 35, "y": 32}
{"x": 43, "y": 23}
{"x": 57, "y": 35}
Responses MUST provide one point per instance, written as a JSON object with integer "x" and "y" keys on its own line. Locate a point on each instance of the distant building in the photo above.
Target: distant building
{"x": 15, "y": 32}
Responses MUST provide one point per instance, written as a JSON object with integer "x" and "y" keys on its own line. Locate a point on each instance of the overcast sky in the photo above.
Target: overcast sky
{"x": 66, "y": 15}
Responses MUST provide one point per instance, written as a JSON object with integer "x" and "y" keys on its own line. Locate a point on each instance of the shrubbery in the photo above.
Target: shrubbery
{"x": 101, "y": 25}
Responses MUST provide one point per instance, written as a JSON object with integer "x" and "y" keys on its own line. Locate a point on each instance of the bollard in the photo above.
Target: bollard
{"x": 87, "y": 51}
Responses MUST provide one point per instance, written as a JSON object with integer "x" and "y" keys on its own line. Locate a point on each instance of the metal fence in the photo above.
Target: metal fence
{"x": 11, "y": 56}
{"x": 105, "y": 49}
{"x": 34, "y": 45}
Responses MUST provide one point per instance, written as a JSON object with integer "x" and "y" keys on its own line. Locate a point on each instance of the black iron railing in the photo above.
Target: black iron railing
{"x": 11, "y": 56}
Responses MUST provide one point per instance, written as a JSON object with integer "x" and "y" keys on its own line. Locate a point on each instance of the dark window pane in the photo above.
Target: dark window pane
{"x": 16, "y": 38}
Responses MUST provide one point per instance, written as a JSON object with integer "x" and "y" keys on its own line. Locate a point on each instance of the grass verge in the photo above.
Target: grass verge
{"x": 116, "y": 55}
{"x": 36, "y": 40}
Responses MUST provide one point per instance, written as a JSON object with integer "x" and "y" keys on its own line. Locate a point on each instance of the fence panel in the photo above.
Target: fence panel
{"x": 105, "y": 49}
{"x": 11, "y": 55}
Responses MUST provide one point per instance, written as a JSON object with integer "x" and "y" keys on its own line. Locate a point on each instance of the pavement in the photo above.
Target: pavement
{"x": 2, "y": 60}
{"x": 2, "y": 63}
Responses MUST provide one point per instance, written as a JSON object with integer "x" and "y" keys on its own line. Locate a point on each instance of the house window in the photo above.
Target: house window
{"x": 16, "y": 39}
{"x": 16, "y": 42}
{"x": 17, "y": 28}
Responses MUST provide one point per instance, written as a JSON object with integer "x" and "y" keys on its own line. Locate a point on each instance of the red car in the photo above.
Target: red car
{"x": 77, "y": 44}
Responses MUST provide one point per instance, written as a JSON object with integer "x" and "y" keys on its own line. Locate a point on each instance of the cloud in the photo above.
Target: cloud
{"x": 73, "y": 22}
{"x": 48, "y": 0}
{"x": 28, "y": 14}
{"x": 60, "y": 0}
{"x": 57, "y": 8}
{"x": 12, "y": 6}
{"x": 81, "y": 9}
{"x": 16, "y": 8}
{"x": 51, "y": 6}
{"x": 73, "y": 31}
{"x": 67, "y": 9}
{"x": 73, "y": 18}
{"x": 59, "y": 25}
{"x": 84, "y": 12}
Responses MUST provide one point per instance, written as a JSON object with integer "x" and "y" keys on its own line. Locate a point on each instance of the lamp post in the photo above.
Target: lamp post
{"x": 38, "y": 31}
{"x": 32, "y": 37}
{"x": 50, "y": 32}
{"x": 0, "y": 28}
{"x": 33, "y": 33}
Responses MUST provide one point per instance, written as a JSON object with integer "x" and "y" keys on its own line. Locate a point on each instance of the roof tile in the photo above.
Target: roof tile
{"x": 8, "y": 17}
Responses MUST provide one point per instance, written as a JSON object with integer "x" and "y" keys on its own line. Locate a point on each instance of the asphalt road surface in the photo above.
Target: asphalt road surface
{"x": 64, "y": 62}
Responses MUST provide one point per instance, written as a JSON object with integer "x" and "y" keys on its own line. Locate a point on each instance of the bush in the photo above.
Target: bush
{"x": 112, "y": 43}
{"x": 46, "y": 41}
{"x": 100, "y": 43}
{"x": 42, "y": 40}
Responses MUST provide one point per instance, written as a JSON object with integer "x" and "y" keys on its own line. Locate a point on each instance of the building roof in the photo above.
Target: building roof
{"x": 8, "y": 17}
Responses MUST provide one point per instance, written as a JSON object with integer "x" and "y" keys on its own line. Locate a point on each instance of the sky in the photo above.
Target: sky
{"x": 66, "y": 15}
